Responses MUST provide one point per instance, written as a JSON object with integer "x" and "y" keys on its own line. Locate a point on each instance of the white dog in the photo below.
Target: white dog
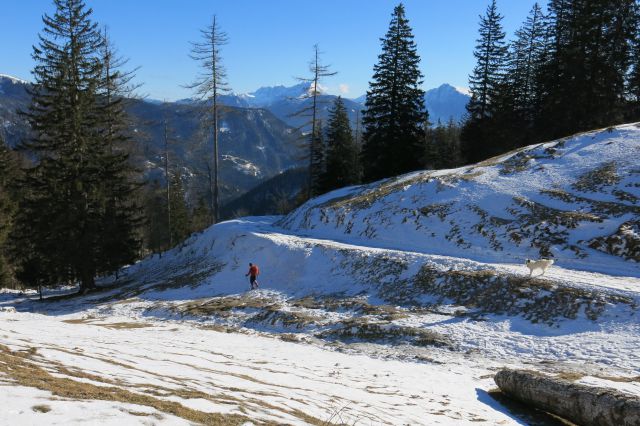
{"x": 538, "y": 264}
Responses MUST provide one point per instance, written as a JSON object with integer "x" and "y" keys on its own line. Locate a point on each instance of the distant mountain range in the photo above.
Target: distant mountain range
{"x": 259, "y": 136}
{"x": 255, "y": 145}
{"x": 443, "y": 103}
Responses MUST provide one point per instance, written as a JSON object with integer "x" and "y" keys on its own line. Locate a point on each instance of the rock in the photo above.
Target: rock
{"x": 581, "y": 404}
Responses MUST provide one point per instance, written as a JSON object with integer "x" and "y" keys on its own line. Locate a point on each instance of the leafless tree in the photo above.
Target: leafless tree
{"x": 318, "y": 71}
{"x": 209, "y": 84}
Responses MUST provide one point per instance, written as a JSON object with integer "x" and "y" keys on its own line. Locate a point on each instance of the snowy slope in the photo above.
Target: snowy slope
{"x": 575, "y": 200}
{"x": 367, "y": 340}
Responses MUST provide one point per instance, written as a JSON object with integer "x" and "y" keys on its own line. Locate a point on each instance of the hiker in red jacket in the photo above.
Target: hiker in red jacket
{"x": 253, "y": 275}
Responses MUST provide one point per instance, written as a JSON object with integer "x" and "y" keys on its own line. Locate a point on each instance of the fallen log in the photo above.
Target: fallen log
{"x": 580, "y": 404}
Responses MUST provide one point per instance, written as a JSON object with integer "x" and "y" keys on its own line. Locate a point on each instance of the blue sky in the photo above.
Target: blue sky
{"x": 270, "y": 41}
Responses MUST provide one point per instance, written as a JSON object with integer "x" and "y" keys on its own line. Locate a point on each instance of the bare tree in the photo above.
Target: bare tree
{"x": 318, "y": 72}
{"x": 209, "y": 84}
{"x": 118, "y": 89}
{"x": 165, "y": 135}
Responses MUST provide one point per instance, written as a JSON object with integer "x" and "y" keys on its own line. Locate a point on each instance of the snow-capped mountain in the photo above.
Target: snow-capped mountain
{"x": 7, "y": 81}
{"x": 443, "y": 103}
{"x": 267, "y": 96}
{"x": 446, "y": 102}
{"x": 255, "y": 144}
{"x": 12, "y": 87}
{"x": 13, "y": 97}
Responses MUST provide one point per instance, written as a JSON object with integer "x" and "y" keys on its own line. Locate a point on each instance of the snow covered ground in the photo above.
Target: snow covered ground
{"x": 374, "y": 323}
{"x": 262, "y": 378}
{"x": 183, "y": 328}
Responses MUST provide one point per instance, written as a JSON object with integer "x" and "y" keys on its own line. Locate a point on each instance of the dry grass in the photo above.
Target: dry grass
{"x": 41, "y": 408}
{"x": 222, "y": 306}
{"x": 18, "y": 368}
{"x": 595, "y": 180}
{"x": 571, "y": 376}
{"x": 289, "y": 337}
{"x": 288, "y": 319}
{"x": 535, "y": 299}
{"x": 365, "y": 329}
{"x": 150, "y": 394}
{"x": 87, "y": 320}
{"x": 124, "y": 325}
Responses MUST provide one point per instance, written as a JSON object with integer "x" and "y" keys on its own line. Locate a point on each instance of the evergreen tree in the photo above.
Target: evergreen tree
{"x": 526, "y": 56}
{"x": 180, "y": 226}
{"x": 393, "y": 137}
{"x": 156, "y": 229}
{"x": 74, "y": 195}
{"x": 450, "y": 154}
{"x": 431, "y": 159}
{"x": 9, "y": 173}
{"x": 491, "y": 53}
{"x": 317, "y": 160}
{"x": 583, "y": 82}
{"x": 488, "y": 88}
{"x": 342, "y": 163}
{"x": 201, "y": 215}
{"x": 120, "y": 242}
{"x": 515, "y": 102}
{"x": 209, "y": 85}
{"x": 633, "y": 81}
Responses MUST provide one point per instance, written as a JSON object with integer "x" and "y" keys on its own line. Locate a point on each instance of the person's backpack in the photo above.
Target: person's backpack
{"x": 257, "y": 270}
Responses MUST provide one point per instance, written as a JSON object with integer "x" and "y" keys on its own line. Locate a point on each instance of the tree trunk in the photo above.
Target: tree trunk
{"x": 87, "y": 282}
{"x": 581, "y": 404}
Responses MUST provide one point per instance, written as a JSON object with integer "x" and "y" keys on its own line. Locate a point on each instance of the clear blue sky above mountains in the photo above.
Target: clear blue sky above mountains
{"x": 270, "y": 42}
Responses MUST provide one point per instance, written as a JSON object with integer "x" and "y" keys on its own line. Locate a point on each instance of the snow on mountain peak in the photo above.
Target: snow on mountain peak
{"x": 12, "y": 79}
{"x": 464, "y": 90}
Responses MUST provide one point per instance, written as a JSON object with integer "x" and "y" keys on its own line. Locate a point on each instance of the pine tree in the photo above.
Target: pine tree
{"x": 180, "y": 219}
{"x": 515, "y": 102}
{"x": 209, "y": 85}
{"x": 201, "y": 216}
{"x": 620, "y": 33}
{"x": 156, "y": 229}
{"x": 491, "y": 53}
{"x": 342, "y": 163}
{"x": 443, "y": 146}
{"x": 583, "y": 82}
{"x": 317, "y": 160}
{"x": 9, "y": 173}
{"x": 75, "y": 196}
{"x": 431, "y": 158}
{"x": 488, "y": 88}
{"x": 525, "y": 58}
{"x": 633, "y": 81}
{"x": 393, "y": 138}
{"x": 450, "y": 154}
{"x": 120, "y": 242}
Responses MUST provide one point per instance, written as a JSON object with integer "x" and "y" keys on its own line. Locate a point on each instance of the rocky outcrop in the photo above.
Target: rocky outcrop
{"x": 581, "y": 404}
